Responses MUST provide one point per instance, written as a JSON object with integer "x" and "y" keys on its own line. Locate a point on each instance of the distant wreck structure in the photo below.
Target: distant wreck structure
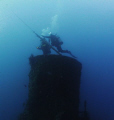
{"x": 54, "y": 88}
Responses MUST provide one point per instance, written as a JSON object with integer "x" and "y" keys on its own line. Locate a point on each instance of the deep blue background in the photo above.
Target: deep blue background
{"x": 86, "y": 28}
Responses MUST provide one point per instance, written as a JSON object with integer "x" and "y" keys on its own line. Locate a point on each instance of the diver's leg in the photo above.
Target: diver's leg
{"x": 60, "y": 49}
{"x": 64, "y": 51}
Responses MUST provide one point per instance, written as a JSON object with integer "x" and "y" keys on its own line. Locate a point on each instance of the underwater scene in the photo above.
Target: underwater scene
{"x": 56, "y": 60}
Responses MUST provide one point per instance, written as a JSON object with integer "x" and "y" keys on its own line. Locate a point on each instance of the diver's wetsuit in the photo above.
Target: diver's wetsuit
{"x": 55, "y": 41}
{"x": 46, "y": 50}
{"x": 60, "y": 49}
{"x": 45, "y": 47}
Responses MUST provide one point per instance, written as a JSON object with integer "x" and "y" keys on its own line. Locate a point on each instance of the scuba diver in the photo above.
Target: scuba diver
{"x": 56, "y": 41}
{"x": 44, "y": 46}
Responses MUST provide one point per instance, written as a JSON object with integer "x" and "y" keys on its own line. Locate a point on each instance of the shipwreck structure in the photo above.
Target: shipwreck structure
{"x": 54, "y": 88}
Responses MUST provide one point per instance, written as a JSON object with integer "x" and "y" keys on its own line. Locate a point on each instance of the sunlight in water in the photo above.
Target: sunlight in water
{"x": 3, "y": 19}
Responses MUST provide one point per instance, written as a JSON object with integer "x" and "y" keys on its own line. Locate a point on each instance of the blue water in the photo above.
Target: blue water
{"x": 86, "y": 28}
